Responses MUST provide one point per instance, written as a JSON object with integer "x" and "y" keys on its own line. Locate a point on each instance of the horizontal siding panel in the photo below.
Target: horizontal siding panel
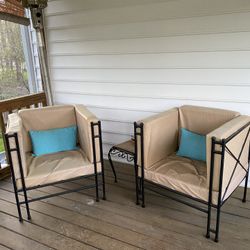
{"x": 227, "y": 93}
{"x": 119, "y": 115}
{"x": 192, "y": 43}
{"x": 217, "y": 24}
{"x": 115, "y": 138}
{"x": 66, "y": 6}
{"x": 155, "y": 11}
{"x": 176, "y": 76}
{"x": 118, "y": 127}
{"x": 232, "y": 59}
{"x": 145, "y": 106}
{"x": 130, "y": 59}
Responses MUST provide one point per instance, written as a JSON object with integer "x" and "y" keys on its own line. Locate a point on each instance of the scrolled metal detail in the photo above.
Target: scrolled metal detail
{"x": 121, "y": 154}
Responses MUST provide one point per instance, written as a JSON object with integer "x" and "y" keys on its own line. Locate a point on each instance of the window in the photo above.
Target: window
{"x": 19, "y": 64}
{"x": 18, "y": 73}
{"x": 13, "y": 70}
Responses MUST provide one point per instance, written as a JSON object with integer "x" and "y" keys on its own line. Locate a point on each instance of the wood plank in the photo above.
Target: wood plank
{"x": 163, "y": 224}
{"x": 4, "y": 173}
{"x": 19, "y": 102}
{"x": 67, "y": 229}
{"x": 39, "y": 234}
{"x": 162, "y": 202}
{"x": 72, "y": 213}
{"x": 17, "y": 241}
{"x": 13, "y": 105}
{"x": 2, "y": 247}
{"x": 177, "y": 217}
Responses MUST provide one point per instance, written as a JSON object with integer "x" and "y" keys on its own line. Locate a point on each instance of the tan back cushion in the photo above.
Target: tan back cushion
{"x": 160, "y": 137}
{"x": 203, "y": 120}
{"x": 45, "y": 118}
{"x": 84, "y": 118}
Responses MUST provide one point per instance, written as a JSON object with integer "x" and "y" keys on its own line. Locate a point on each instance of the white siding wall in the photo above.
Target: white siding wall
{"x": 128, "y": 59}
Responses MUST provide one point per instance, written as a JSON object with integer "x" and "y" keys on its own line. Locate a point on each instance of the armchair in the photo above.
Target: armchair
{"x": 212, "y": 182}
{"x": 29, "y": 172}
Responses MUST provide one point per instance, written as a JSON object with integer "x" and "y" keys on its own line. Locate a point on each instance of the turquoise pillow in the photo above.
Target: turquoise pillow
{"x": 53, "y": 140}
{"x": 192, "y": 145}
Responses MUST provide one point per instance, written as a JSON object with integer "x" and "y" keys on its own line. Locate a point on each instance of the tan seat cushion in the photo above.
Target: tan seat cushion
{"x": 181, "y": 174}
{"x": 57, "y": 167}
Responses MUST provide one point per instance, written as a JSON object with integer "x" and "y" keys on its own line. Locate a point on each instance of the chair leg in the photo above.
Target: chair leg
{"x": 27, "y": 204}
{"x": 245, "y": 189}
{"x": 18, "y": 207}
{"x": 142, "y": 192}
{"x": 96, "y": 188}
{"x": 112, "y": 165}
{"x": 103, "y": 185}
{"x": 139, "y": 185}
{"x": 136, "y": 185}
{"x": 217, "y": 224}
{"x": 208, "y": 221}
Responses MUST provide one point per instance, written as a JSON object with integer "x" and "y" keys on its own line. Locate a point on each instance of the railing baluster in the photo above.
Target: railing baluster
{"x": 12, "y": 106}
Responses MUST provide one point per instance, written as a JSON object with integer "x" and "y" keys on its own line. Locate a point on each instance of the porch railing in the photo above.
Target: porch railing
{"x": 13, "y": 105}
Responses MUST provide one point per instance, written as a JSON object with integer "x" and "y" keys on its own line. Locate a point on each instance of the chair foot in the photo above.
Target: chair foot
{"x": 29, "y": 217}
{"x": 143, "y": 205}
{"x": 104, "y": 198}
{"x": 244, "y": 200}
{"x": 216, "y": 240}
{"x": 97, "y": 200}
{"x": 21, "y": 220}
{"x": 137, "y": 203}
{"x": 208, "y": 236}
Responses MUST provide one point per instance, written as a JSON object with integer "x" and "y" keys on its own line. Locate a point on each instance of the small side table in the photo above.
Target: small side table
{"x": 125, "y": 150}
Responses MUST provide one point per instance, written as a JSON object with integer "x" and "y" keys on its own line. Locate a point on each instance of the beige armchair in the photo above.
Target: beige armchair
{"x": 210, "y": 182}
{"x": 30, "y": 172}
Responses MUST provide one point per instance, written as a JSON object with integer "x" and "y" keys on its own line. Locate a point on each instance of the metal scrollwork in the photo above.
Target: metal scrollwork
{"x": 122, "y": 154}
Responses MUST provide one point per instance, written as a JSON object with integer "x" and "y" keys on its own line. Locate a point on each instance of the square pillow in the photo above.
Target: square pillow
{"x": 192, "y": 145}
{"x": 53, "y": 140}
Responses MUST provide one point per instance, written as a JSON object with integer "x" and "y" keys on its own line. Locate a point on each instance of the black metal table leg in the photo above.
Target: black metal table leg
{"x": 122, "y": 151}
{"x": 111, "y": 163}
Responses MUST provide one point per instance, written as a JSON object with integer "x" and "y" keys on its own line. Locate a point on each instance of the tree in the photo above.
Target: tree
{"x": 13, "y": 73}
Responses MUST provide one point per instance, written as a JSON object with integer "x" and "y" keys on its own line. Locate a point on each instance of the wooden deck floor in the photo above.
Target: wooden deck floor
{"x": 76, "y": 221}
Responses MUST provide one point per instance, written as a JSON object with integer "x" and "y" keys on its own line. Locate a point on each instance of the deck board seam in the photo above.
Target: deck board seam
{"x": 1, "y": 244}
{"x": 127, "y": 243}
{"x": 27, "y": 237}
{"x": 46, "y": 229}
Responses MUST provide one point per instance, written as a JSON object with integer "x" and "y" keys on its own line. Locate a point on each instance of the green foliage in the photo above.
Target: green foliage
{"x": 1, "y": 143}
{"x": 13, "y": 73}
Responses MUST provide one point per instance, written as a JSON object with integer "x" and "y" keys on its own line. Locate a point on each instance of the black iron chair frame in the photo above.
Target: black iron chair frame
{"x": 24, "y": 189}
{"x": 139, "y": 133}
